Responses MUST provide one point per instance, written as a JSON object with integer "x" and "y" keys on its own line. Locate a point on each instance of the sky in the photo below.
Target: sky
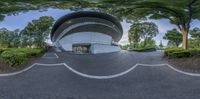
{"x": 20, "y": 20}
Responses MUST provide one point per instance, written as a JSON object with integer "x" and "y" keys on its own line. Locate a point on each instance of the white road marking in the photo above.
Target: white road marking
{"x": 58, "y": 64}
{"x": 26, "y": 69}
{"x": 183, "y": 72}
{"x": 56, "y": 55}
{"x": 44, "y": 56}
{"x": 151, "y": 65}
{"x": 18, "y": 72}
{"x": 172, "y": 67}
{"x": 99, "y": 77}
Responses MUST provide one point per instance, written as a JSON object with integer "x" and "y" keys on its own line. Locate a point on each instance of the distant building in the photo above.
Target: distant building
{"x": 87, "y": 32}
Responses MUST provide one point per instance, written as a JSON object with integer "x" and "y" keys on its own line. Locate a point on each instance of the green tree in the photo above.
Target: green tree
{"x": 13, "y": 7}
{"x": 179, "y": 12}
{"x": 150, "y": 43}
{"x": 161, "y": 44}
{"x": 9, "y": 38}
{"x": 144, "y": 30}
{"x": 194, "y": 41}
{"x": 174, "y": 37}
{"x": 37, "y": 31}
{"x": 134, "y": 35}
{"x": 125, "y": 47}
{"x": 195, "y": 33}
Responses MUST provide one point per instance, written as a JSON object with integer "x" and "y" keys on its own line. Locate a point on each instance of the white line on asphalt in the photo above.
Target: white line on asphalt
{"x": 26, "y": 69}
{"x": 99, "y": 77}
{"x": 56, "y": 55}
{"x": 151, "y": 65}
{"x": 18, "y": 72}
{"x": 183, "y": 72}
{"x": 58, "y": 64}
{"x": 172, "y": 67}
{"x": 44, "y": 56}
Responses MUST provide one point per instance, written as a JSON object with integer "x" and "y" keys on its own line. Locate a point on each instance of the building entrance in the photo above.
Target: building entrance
{"x": 81, "y": 48}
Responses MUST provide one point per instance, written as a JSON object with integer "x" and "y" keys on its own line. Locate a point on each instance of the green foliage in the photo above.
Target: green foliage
{"x": 194, "y": 41}
{"x": 34, "y": 35}
{"x": 134, "y": 35}
{"x": 180, "y": 53}
{"x": 17, "y": 56}
{"x": 148, "y": 42}
{"x": 195, "y": 33}
{"x": 169, "y": 51}
{"x": 13, "y": 7}
{"x": 174, "y": 37}
{"x": 144, "y": 49}
{"x": 13, "y": 57}
{"x": 139, "y": 31}
{"x": 37, "y": 31}
{"x": 9, "y": 38}
{"x": 2, "y": 50}
{"x": 161, "y": 45}
{"x": 28, "y": 51}
{"x": 125, "y": 47}
{"x": 179, "y": 12}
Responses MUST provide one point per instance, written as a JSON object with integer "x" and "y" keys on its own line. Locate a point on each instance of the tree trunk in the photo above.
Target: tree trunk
{"x": 145, "y": 42}
{"x": 185, "y": 38}
{"x": 177, "y": 45}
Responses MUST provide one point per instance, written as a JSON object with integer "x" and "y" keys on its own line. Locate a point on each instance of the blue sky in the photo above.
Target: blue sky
{"x": 21, "y": 20}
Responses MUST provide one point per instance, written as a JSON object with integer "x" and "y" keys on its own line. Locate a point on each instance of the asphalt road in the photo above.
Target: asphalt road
{"x": 59, "y": 82}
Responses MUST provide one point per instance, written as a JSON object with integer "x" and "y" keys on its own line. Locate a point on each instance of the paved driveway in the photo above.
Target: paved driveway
{"x": 52, "y": 80}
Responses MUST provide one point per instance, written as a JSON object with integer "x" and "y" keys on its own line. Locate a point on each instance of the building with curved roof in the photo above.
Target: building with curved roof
{"x": 87, "y": 32}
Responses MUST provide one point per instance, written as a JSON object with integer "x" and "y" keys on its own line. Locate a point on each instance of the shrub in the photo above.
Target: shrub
{"x": 169, "y": 51}
{"x": 2, "y": 50}
{"x": 181, "y": 54}
{"x": 144, "y": 49}
{"x": 28, "y": 51}
{"x": 14, "y": 58}
{"x": 194, "y": 52}
{"x": 17, "y": 56}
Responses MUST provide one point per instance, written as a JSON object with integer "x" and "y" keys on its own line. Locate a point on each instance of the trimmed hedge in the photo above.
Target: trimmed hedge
{"x": 2, "y": 50}
{"x": 28, "y": 51}
{"x": 17, "y": 56}
{"x": 14, "y": 58}
{"x": 180, "y": 53}
{"x": 144, "y": 49}
{"x": 169, "y": 51}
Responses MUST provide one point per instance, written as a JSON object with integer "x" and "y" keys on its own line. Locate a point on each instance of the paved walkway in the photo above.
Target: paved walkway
{"x": 61, "y": 76}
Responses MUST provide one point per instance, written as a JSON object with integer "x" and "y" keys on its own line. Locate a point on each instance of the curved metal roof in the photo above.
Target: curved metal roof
{"x": 91, "y": 14}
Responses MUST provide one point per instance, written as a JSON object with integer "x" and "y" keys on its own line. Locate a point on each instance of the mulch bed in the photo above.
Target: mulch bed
{"x": 191, "y": 64}
{"x": 5, "y": 68}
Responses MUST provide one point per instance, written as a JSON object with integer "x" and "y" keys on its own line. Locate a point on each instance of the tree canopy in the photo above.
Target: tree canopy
{"x": 194, "y": 41}
{"x": 12, "y": 7}
{"x": 9, "y": 38}
{"x": 174, "y": 37}
{"x": 179, "y": 12}
{"x": 144, "y": 30}
{"x": 37, "y": 31}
